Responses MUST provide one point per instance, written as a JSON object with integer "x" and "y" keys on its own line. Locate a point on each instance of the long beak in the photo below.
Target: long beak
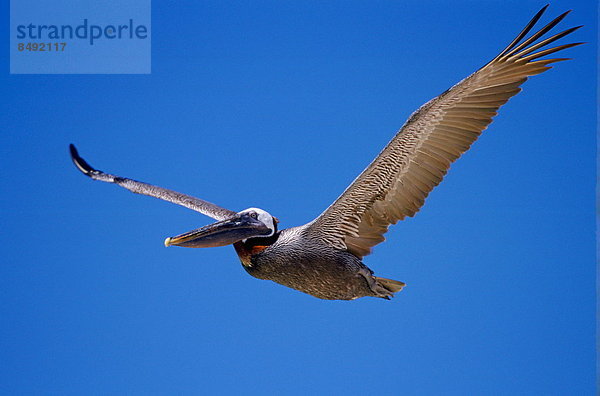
{"x": 221, "y": 233}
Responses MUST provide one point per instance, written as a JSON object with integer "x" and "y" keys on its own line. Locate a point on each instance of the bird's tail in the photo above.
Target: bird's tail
{"x": 392, "y": 285}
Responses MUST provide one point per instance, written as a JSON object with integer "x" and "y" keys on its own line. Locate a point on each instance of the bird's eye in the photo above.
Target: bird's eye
{"x": 253, "y": 215}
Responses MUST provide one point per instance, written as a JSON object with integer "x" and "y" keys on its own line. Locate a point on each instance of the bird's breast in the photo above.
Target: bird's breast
{"x": 247, "y": 252}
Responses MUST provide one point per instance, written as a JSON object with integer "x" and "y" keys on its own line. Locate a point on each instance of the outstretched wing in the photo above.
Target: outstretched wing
{"x": 397, "y": 182}
{"x": 204, "y": 207}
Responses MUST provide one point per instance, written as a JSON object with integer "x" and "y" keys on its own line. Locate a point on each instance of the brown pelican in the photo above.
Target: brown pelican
{"x": 323, "y": 257}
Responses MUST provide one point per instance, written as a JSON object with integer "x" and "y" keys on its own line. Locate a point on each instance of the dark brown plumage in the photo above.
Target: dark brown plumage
{"x": 323, "y": 258}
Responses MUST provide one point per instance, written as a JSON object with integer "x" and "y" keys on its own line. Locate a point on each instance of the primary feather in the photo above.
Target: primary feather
{"x": 397, "y": 182}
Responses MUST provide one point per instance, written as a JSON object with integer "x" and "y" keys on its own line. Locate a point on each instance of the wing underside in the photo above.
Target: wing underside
{"x": 193, "y": 203}
{"x": 397, "y": 182}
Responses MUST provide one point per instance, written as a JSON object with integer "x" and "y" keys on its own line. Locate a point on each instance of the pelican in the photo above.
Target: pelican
{"x": 324, "y": 257}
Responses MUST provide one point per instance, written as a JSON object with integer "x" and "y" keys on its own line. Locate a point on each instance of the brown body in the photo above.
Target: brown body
{"x": 294, "y": 260}
{"x": 323, "y": 257}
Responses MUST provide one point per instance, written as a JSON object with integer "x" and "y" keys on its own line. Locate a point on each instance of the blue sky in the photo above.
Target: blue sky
{"x": 280, "y": 105}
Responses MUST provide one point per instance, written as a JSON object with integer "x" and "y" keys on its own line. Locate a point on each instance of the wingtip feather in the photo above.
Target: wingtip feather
{"x": 79, "y": 162}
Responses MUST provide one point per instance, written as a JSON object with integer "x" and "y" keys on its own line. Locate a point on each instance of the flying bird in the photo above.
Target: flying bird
{"x": 324, "y": 257}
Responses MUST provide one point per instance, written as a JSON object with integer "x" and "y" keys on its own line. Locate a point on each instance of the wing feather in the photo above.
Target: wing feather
{"x": 397, "y": 182}
{"x": 137, "y": 187}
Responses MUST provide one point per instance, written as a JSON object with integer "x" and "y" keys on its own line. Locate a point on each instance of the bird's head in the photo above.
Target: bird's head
{"x": 249, "y": 223}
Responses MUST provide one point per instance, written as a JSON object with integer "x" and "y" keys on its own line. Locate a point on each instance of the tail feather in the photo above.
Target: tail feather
{"x": 390, "y": 284}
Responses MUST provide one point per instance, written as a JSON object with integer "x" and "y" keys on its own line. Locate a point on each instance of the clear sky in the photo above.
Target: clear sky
{"x": 279, "y": 105}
